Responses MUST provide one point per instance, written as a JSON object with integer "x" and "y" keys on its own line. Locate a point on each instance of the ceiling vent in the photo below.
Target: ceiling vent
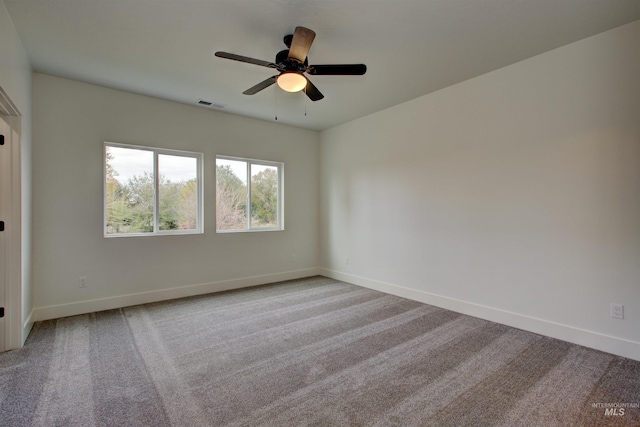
{"x": 210, "y": 104}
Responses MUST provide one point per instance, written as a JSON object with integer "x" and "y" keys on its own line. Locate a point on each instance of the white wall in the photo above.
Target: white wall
{"x": 15, "y": 80}
{"x": 514, "y": 196}
{"x": 71, "y": 122}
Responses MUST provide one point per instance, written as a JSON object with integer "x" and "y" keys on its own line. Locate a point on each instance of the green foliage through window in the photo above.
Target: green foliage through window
{"x": 137, "y": 203}
{"x": 247, "y": 207}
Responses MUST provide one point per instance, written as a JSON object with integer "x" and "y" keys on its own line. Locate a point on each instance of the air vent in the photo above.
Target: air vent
{"x": 211, "y": 104}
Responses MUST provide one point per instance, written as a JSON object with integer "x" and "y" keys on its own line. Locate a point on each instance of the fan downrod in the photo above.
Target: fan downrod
{"x": 287, "y": 40}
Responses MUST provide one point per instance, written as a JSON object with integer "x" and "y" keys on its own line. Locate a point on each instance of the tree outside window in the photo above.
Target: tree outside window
{"x": 151, "y": 191}
{"x": 248, "y": 207}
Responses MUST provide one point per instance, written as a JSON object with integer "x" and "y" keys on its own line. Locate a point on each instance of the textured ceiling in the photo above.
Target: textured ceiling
{"x": 164, "y": 48}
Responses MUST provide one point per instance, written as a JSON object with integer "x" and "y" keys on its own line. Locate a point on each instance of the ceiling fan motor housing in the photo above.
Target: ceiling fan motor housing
{"x": 285, "y": 64}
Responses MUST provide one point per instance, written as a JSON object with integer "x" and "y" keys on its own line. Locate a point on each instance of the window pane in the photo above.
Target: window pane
{"x": 129, "y": 190}
{"x": 178, "y": 192}
{"x": 231, "y": 194}
{"x": 264, "y": 196}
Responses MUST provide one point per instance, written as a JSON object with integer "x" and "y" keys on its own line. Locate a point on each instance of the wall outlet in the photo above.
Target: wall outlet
{"x": 83, "y": 282}
{"x": 617, "y": 311}
{"x": 346, "y": 260}
{"x": 293, "y": 258}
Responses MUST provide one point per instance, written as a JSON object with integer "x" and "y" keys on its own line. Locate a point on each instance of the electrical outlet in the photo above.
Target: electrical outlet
{"x": 83, "y": 282}
{"x": 617, "y": 311}
{"x": 293, "y": 258}
{"x": 346, "y": 260}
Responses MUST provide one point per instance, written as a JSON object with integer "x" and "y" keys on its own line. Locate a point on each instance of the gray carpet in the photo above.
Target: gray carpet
{"x": 312, "y": 352}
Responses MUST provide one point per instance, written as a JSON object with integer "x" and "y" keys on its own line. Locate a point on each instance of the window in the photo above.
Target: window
{"x": 248, "y": 195}
{"x": 151, "y": 191}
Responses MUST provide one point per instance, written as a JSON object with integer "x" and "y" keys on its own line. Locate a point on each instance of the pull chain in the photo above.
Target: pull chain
{"x": 275, "y": 107}
{"x": 276, "y": 103}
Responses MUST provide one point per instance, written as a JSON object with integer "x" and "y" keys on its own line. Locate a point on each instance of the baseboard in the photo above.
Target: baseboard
{"x": 27, "y": 325}
{"x": 595, "y": 340}
{"x": 91, "y": 306}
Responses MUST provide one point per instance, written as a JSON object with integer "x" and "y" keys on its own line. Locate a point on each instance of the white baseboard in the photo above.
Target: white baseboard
{"x": 91, "y": 306}
{"x": 595, "y": 340}
{"x": 27, "y": 325}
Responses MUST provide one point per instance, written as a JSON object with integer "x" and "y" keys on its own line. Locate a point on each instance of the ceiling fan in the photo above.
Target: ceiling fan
{"x": 292, "y": 63}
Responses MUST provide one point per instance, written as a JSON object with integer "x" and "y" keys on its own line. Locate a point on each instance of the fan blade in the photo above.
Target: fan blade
{"x": 241, "y": 58}
{"x": 312, "y": 91}
{"x": 262, "y": 85}
{"x": 337, "y": 70}
{"x": 301, "y": 43}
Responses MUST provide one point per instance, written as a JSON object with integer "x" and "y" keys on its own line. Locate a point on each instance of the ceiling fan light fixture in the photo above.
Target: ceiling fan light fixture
{"x": 292, "y": 81}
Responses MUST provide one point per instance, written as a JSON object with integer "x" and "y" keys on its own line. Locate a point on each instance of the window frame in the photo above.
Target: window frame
{"x": 280, "y": 194}
{"x": 156, "y": 200}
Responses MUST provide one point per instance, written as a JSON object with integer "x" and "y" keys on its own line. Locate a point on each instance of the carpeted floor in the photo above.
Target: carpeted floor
{"x": 311, "y": 352}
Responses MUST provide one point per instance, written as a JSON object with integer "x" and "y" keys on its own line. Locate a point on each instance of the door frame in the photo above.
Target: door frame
{"x": 12, "y": 198}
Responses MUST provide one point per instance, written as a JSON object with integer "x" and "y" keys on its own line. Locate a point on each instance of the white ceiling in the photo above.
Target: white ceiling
{"x": 164, "y": 48}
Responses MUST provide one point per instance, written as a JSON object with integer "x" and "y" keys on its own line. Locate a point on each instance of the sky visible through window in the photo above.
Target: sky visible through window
{"x": 130, "y": 162}
{"x": 239, "y": 168}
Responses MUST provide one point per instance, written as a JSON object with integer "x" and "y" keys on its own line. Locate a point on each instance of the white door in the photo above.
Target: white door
{"x": 10, "y": 238}
{"x": 5, "y": 209}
